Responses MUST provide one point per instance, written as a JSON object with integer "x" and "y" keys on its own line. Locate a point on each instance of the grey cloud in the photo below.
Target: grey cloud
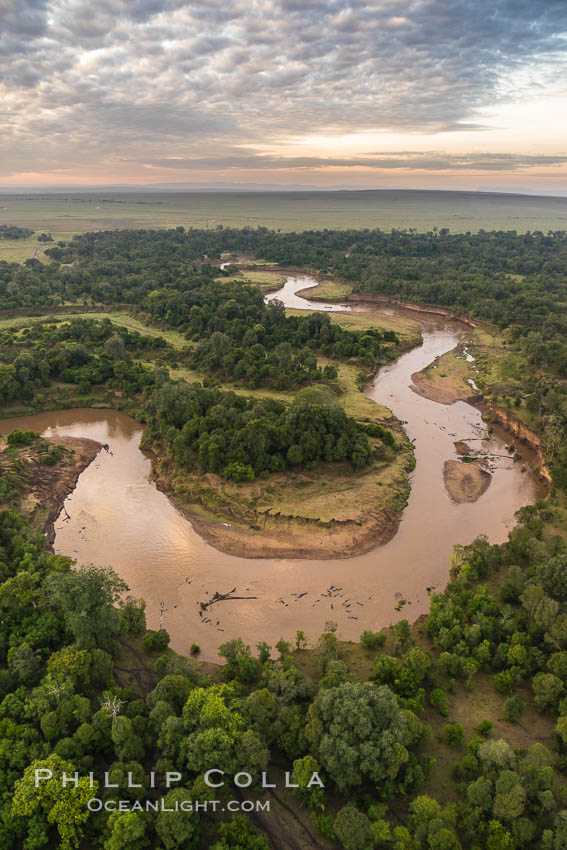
{"x": 405, "y": 160}
{"x": 159, "y": 77}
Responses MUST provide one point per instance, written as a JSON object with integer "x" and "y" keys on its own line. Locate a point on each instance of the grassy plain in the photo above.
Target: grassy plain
{"x": 267, "y": 281}
{"x": 406, "y": 329}
{"x": 329, "y": 290}
{"x": 77, "y": 212}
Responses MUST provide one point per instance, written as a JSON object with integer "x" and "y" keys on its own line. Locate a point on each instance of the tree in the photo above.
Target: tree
{"x": 372, "y": 640}
{"x": 115, "y": 347}
{"x": 552, "y": 577}
{"x": 127, "y": 829}
{"x": 431, "y": 823}
{"x": 480, "y": 793}
{"x": 177, "y": 829}
{"x": 309, "y": 793}
{"x": 353, "y": 829}
{"x": 66, "y": 807}
{"x": 513, "y": 708}
{"x": 548, "y": 690}
{"x": 510, "y": 797}
{"x": 358, "y": 732}
{"x": 87, "y": 596}
{"x": 454, "y": 734}
{"x": 239, "y": 835}
{"x": 127, "y": 743}
{"x": 438, "y": 699}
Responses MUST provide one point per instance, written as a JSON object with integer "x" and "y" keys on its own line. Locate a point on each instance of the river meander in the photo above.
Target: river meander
{"x": 119, "y": 518}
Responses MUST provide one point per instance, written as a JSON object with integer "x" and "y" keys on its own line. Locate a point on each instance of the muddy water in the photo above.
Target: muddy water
{"x": 296, "y": 283}
{"x": 117, "y": 517}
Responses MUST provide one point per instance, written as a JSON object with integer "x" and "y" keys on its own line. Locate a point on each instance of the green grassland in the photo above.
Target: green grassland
{"x": 329, "y": 290}
{"x": 267, "y": 281}
{"x": 65, "y": 213}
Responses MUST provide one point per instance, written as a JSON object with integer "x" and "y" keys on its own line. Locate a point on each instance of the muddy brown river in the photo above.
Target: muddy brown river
{"x": 119, "y": 518}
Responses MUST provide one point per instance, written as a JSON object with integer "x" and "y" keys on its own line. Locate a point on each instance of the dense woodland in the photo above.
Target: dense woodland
{"x": 499, "y": 628}
{"x": 63, "y": 709}
{"x": 12, "y": 231}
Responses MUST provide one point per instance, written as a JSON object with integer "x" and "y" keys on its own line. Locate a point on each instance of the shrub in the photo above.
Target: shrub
{"x": 372, "y": 640}
{"x": 484, "y": 728}
{"x": 454, "y": 734}
{"x": 438, "y": 699}
{"x": 324, "y": 826}
{"x": 238, "y": 472}
{"x": 155, "y": 640}
{"x": 21, "y": 438}
{"x": 195, "y": 649}
{"x": 513, "y": 708}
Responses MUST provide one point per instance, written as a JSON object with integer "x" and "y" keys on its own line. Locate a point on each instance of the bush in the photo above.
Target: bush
{"x": 156, "y": 640}
{"x": 51, "y": 456}
{"x": 21, "y": 438}
{"x": 195, "y": 649}
{"x": 506, "y": 681}
{"x": 484, "y": 728}
{"x": 454, "y": 734}
{"x": 238, "y": 472}
{"x": 324, "y": 826}
{"x": 513, "y": 708}
{"x": 438, "y": 699}
{"x": 372, "y": 640}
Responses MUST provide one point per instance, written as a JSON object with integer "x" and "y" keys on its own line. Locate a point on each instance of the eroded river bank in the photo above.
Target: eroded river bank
{"x": 118, "y": 517}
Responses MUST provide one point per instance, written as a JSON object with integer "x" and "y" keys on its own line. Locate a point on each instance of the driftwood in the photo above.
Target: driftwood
{"x": 222, "y": 597}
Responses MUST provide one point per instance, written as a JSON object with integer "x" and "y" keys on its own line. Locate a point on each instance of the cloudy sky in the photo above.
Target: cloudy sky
{"x": 368, "y": 93}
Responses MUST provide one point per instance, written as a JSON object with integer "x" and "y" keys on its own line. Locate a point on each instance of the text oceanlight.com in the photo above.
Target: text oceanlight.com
{"x": 161, "y": 805}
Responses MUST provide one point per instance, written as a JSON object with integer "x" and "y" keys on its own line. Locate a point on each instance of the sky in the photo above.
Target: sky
{"x": 424, "y": 94}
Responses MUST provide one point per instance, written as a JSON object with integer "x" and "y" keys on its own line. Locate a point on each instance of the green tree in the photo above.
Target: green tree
{"x": 64, "y": 807}
{"x": 358, "y": 732}
{"x": 239, "y": 835}
{"x": 548, "y": 690}
{"x": 127, "y": 829}
{"x": 353, "y": 829}
{"x": 308, "y": 792}
{"x": 87, "y": 597}
{"x": 454, "y": 734}
{"x": 177, "y": 829}
{"x": 510, "y": 797}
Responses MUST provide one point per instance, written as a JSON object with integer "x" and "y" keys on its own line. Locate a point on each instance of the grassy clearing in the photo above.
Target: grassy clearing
{"x": 19, "y": 250}
{"x": 330, "y": 290}
{"x": 351, "y": 399}
{"x": 176, "y": 339}
{"x": 267, "y": 281}
{"x": 469, "y": 708}
{"x": 501, "y": 372}
{"x": 408, "y": 331}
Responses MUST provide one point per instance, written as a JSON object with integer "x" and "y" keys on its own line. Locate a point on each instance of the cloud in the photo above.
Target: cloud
{"x": 412, "y": 160}
{"x": 164, "y": 81}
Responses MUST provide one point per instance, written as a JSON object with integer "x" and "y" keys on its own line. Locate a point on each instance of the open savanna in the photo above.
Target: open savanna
{"x": 77, "y": 212}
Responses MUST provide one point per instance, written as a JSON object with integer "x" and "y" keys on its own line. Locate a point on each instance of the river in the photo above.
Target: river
{"x": 119, "y": 518}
